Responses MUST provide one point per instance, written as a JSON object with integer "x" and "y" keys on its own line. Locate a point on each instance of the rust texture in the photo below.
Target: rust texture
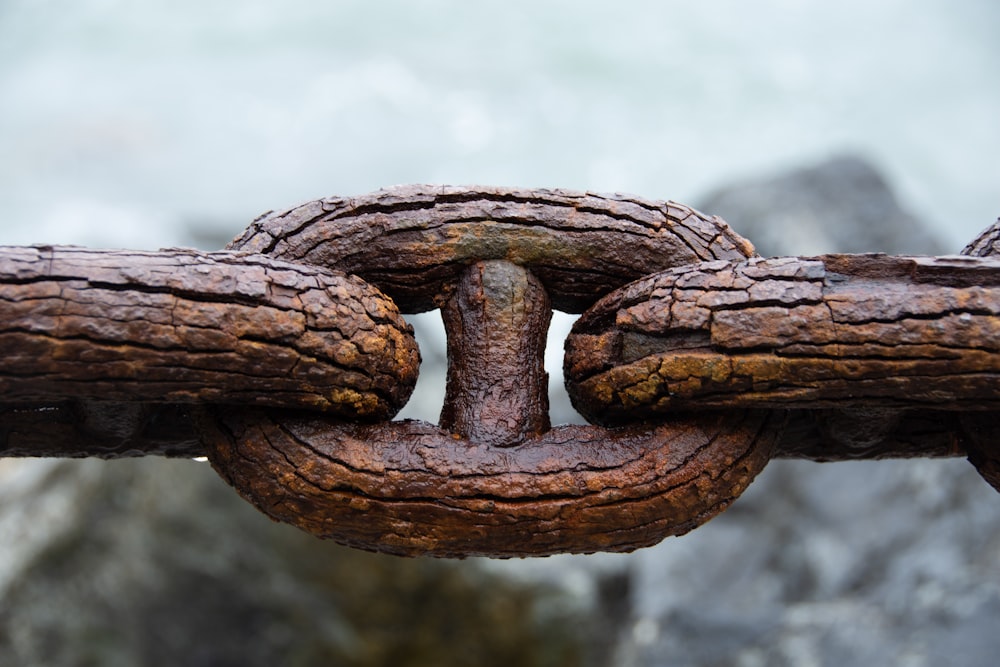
{"x": 987, "y": 244}
{"x": 835, "y": 331}
{"x": 981, "y": 430}
{"x": 423, "y": 491}
{"x": 413, "y": 241}
{"x": 95, "y": 337}
{"x": 493, "y": 479}
{"x": 865, "y": 335}
{"x": 281, "y": 358}
{"x": 496, "y": 321}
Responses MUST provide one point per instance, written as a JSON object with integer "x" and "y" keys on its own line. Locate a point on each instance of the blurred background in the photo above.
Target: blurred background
{"x": 810, "y": 127}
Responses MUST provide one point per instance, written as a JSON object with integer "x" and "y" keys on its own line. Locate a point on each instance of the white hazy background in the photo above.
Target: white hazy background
{"x": 144, "y": 124}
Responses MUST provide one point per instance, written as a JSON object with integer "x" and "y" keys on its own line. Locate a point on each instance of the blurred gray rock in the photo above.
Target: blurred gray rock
{"x": 848, "y": 564}
{"x": 158, "y": 563}
{"x": 841, "y": 205}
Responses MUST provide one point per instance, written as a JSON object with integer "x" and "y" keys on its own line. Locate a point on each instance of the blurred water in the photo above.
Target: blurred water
{"x": 156, "y": 123}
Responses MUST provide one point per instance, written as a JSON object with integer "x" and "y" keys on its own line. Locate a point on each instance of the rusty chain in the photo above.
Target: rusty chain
{"x": 284, "y": 357}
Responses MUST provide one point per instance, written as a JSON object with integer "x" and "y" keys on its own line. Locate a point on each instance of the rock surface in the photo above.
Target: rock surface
{"x": 841, "y": 205}
{"x": 156, "y": 562}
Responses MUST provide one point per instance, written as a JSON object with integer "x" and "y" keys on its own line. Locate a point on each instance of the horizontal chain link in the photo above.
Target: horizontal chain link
{"x": 414, "y": 241}
{"x": 182, "y": 326}
{"x": 838, "y": 331}
{"x": 411, "y": 488}
{"x": 700, "y": 361}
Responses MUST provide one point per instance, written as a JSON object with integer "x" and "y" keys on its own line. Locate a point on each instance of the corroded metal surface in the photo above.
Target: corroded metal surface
{"x": 493, "y": 479}
{"x": 182, "y": 326}
{"x": 282, "y": 358}
{"x": 841, "y": 331}
{"x": 413, "y": 241}
{"x": 412, "y": 488}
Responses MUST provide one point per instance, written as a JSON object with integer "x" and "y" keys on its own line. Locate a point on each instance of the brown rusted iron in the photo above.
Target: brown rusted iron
{"x": 708, "y": 364}
{"x": 496, "y": 319}
{"x": 842, "y": 331}
{"x": 864, "y": 335}
{"x": 181, "y": 326}
{"x": 412, "y": 488}
{"x": 493, "y": 479}
{"x": 413, "y": 241}
{"x": 490, "y": 258}
{"x": 987, "y": 244}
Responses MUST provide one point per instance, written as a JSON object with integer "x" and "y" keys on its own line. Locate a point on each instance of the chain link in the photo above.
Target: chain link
{"x": 180, "y": 326}
{"x": 283, "y": 357}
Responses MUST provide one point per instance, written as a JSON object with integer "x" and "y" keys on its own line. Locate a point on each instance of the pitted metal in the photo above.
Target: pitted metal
{"x": 282, "y": 359}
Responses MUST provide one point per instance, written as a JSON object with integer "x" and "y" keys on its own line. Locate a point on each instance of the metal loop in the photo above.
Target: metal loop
{"x": 413, "y": 241}
{"x": 981, "y": 432}
{"x": 841, "y": 331}
{"x": 180, "y": 326}
{"x": 494, "y": 479}
{"x": 267, "y": 366}
{"x": 410, "y": 488}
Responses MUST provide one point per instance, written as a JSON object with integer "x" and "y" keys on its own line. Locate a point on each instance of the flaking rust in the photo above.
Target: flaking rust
{"x": 283, "y": 357}
{"x": 494, "y": 479}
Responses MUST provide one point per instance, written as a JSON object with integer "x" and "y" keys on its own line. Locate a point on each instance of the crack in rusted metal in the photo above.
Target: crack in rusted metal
{"x": 834, "y": 334}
